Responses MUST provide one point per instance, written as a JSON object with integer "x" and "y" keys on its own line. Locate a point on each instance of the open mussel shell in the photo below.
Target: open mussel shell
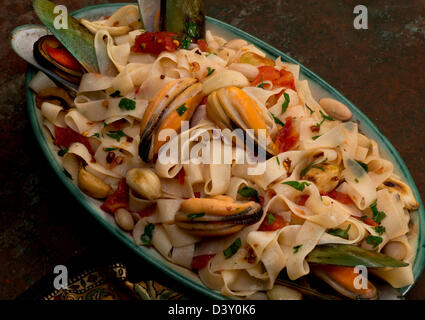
{"x": 73, "y": 36}
{"x": 51, "y": 54}
{"x": 215, "y": 217}
{"x": 22, "y": 41}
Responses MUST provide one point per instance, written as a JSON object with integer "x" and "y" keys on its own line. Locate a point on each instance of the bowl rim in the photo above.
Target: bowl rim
{"x": 419, "y": 261}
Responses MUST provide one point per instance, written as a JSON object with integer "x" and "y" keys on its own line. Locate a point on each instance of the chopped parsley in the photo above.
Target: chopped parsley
{"x": 374, "y": 240}
{"x": 146, "y": 237}
{"x": 309, "y": 109}
{"x": 356, "y": 180}
{"x": 285, "y": 104}
{"x": 278, "y": 161}
{"x": 261, "y": 85}
{"x": 324, "y": 117}
{"x": 277, "y": 120}
{"x": 270, "y": 218}
{"x": 115, "y": 94}
{"x": 210, "y": 71}
{"x": 127, "y": 104}
{"x": 316, "y": 137}
{"x": 297, "y": 185}
{"x": 248, "y": 192}
{"x": 338, "y": 232}
{"x": 62, "y": 152}
{"x": 182, "y": 109}
{"x": 379, "y": 230}
{"x": 191, "y": 33}
{"x": 110, "y": 149}
{"x": 378, "y": 216}
{"x": 96, "y": 135}
{"x": 196, "y": 215}
{"x": 313, "y": 165}
{"x": 297, "y": 248}
{"x": 67, "y": 174}
{"x": 116, "y": 135}
{"x": 364, "y": 166}
{"x": 233, "y": 248}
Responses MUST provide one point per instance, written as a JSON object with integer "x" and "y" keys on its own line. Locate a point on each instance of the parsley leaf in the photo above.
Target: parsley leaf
{"x": 378, "y": 216}
{"x": 300, "y": 186}
{"x": 96, "y": 135}
{"x": 182, "y": 109}
{"x": 277, "y": 120}
{"x": 261, "y": 85}
{"x": 110, "y": 149}
{"x": 196, "y": 215}
{"x": 379, "y": 230}
{"x": 356, "y": 180}
{"x": 339, "y": 232}
{"x": 127, "y": 104}
{"x": 146, "y": 237}
{"x": 316, "y": 137}
{"x": 248, "y": 192}
{"x": 278, "y": 161}
{"x": 309, "y": 109}
{"x": 313, "y": 165}
{"x": 297, "y": 248}
{"x": 116, "y": 135}
{"x": 364, "y": 166}
{"x": 326, "y": 117}
{"x": 233, "y": 248}
{"x": 62, "y": 152}
{"x": 374, "y": 241}
{"x": 270, "y": 218}
{"x": 210, "y": 71}
{"x": 67, "y": 174}
{"x": 285, "y": 104}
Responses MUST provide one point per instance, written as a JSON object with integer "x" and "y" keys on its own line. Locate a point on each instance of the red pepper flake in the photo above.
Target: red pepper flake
{"x": 200, "y": 262}
{"x": 278, "y": 223}
{"x": 339, "y": 196}
{"x": 197, "y": 194}
{"x": 302, "y": 199}
{"x": 155, "y": 42}
{"x": 202, "y": 44}
{"x": 66, "y": 136}
{"x": 147, "y": 211}
{"x": 118, "y": 199}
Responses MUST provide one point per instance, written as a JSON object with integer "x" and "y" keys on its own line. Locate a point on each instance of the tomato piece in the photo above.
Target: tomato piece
{"x": 202, "y": 44}
{"x": 339, "y": 196}
{"x": 271, "y": 193}
{"x": 302, "y": 199}
{"x": 118, "y": 199}
{"x": 155, "y": 42}
{"x": 66, "y": 136}
{"x": 197, "y": 194}
{"x": 200, "y": 262}
{"x": 266, "y": 73}
{"x": 147, "y": 211}
{"x": 368, "y": 221}
{"x": 286, "y": 137}
{"x": 286, "y": 79}
{"x": 278, "y": 223}
{"x": 180, "y": 176}
{"x": 261, "y": 200}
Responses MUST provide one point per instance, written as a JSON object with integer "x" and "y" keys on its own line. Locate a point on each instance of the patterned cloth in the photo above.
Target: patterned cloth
{"x": 111, "y": 283}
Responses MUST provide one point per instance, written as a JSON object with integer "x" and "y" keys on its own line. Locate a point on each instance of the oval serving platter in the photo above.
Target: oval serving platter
{"x": 319, "y": 89}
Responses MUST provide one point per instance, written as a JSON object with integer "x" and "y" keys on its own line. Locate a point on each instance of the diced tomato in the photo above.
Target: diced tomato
{"x": 282, "y": 78}
{"x": 200, "y": 262}
{"x": 278, "y": 223}
{"x": 118, "y": 199}
{"x": 368, "y": 221}
{"x": 339, "y": 196}
{"x": 202, "y": 44}
{"x": 261, "y": 200}
{"x": 287, "y": 137}
{"x": 147, "y": 211}
{"x": 66, "y": 136}
{"x": 197, "y": 194}
{"x": 155, "y": 42}
{"x": 271, "y": 193}
{"x": 180, "y": 176}
{"x": 302, "y": 199}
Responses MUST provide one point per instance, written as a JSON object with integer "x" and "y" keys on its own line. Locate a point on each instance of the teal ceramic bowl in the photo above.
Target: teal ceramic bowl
{"x": 319, "y": 89}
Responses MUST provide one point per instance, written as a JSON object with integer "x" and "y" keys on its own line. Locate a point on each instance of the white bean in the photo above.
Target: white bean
{"x": 335, "y": 109}
{"x": 124, "y": 219}
{"x": 248, "y": 70}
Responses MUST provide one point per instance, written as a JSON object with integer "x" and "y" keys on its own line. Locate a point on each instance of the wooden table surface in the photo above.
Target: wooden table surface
{"x": 381, "y": 70}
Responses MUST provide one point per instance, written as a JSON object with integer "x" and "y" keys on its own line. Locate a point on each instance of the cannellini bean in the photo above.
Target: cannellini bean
{"x": 236, "y": 44}
{"x": 92, "y": 185}
{"x": 335, "y": 109}
{"x": 395, "y": 250}
{"x": 225, "y": 78}
{"x": 283, "y": 293}
{"x": 248, "y": 70}
{"x": 124, "y": 219}
{"x": 144, "y": 182}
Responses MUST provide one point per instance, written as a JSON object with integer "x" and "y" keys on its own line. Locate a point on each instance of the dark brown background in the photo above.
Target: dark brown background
{"x": 381, "y": 70}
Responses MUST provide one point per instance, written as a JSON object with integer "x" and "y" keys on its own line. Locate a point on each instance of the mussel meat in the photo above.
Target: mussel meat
{"x": 232, "y": 108}
{"x": 212, "y": 217}
{"x": 174, "y": 103}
